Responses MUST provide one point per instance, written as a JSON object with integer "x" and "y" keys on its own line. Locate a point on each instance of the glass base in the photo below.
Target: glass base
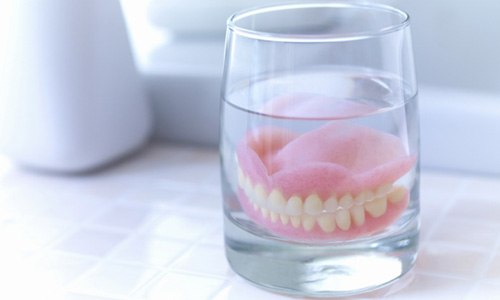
{"x": 321, "y": 270}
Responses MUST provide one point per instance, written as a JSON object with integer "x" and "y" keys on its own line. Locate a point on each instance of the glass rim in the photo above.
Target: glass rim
{"x": 308, "y": 38}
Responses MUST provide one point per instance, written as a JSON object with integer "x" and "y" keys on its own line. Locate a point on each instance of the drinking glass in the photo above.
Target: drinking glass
{"x": 319, "y": 147}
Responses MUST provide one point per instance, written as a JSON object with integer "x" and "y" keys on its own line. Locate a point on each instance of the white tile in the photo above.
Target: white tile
{"x": 493, "y": 269}
{"x": 31, "y": 234}
{"x": 90, "y": 242}
{"x": 179, "y": 286}
{"x": 149, "y": 250}
{"x": 451, "y": 260}
{"x": 23, "y": 201}
{"x": 484, "y": 291}
{"x": 183, "y": 226}
{"x": 208, "y": 260}
{"x": 215, "y": 238}
{"x": 241, "y": 290}
{"x": 476, "y": 208}
{"x": 157, "y": 196}
{"x": 469, "y": 233}
{"x": 202, "y": 201}
{"x": 63, "y": 268}
{"x": 112, "y": 279}
{"x": 74, "y": 207}
{"x": 127, "y": 217}
{"x": 433, "y": 287}
{"x": 76, "y": 296}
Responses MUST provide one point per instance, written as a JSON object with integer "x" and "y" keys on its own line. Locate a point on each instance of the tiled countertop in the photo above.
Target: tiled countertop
{"x": 150, "y": 227}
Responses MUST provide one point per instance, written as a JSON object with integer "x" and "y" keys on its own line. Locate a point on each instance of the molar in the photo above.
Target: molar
{"x": 358, "y": 215}
{"x": 364, "y": 196}
{"x": 377, "y": 207}
{"x": 383, "y": 190}
{"x": 397, "y": 194}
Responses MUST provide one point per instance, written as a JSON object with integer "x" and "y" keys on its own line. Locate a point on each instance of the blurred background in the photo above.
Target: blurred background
{"x": 179, "y": 44}
{"x": 117, "y": 59}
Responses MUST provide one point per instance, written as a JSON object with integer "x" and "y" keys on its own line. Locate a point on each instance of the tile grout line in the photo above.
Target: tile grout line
{"x": 441, "y": 216}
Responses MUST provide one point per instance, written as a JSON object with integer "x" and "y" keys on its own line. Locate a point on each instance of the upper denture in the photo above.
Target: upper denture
{"x": 336, "y": 158}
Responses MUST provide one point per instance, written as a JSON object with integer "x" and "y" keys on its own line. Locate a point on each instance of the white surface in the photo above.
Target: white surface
{"x": 70, "y": 95}
{"x": 151, "y": 228}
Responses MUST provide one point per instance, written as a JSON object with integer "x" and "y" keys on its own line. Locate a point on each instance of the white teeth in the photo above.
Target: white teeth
{"x": 331, "y": 204}
{"x": 294, "y": 206}
{"x": 308, "y": 222}
{"x": 397, "y": 194}
{"x": 241, "y": 178}
{"x": 313, "y": 205}
{"x": 358, "y": 215}
{"x": 248, "y": 187}
{"x": 330, "y": 214}
{"x": 260, "y": 195}
{"x": 284, "y": 219}
{"x": 327, "y": 222}
{"x": 346, "y": 201}
{"x": 295, "y": 221}
{"x": 383, "y": 190}
{"x": 277, "y": 202}
{"x": 364, "y": 196}
{"x": 274, "y": 217}
{"x": 343, "y": 219}
{"x": 377, "y": 207}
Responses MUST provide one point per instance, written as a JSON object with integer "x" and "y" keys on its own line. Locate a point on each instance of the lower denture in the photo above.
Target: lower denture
{"x": 337, "y": 182}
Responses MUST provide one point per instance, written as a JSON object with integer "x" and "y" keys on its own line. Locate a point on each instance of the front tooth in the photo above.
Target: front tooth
{"x": 397, "y": 194}
{"x": 274, "y": 217}
{"x": 260, "y": 195}
{"x": 383, "y": 190}
{"x": 343, "y": 219}
{"x": 295, "y": 221}
{"x": 363, "y": 197}
{"x": 276, "y": 201}
{"x": 377, "y": 207}
{"x": 331, "y": 204}
{"x": 241, "y": 178}
{"x": 264, "y": 212}
{"x": 248, "y": 187}
{"x": 327, "y": 222}
{"x": 294, "y": 206}
{"x": 308, "y": 222}
{"x": 346, "y": 201}
{"x": 358, "y": 215}
{"x": 284, "y": 219}
{"x": 313, "y": 205}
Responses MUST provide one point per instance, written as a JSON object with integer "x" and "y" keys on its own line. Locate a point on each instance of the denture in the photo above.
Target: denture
{"x": 337, "y": 182}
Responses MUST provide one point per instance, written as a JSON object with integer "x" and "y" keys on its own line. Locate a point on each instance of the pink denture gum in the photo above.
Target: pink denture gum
{"x": 337, "y": 182}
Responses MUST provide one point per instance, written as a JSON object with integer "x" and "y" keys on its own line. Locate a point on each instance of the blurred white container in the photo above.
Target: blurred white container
{"x": 70, "y": 96}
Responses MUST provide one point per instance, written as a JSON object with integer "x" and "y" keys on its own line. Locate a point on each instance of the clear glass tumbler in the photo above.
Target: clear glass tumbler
{"x": 319, "y": 147}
